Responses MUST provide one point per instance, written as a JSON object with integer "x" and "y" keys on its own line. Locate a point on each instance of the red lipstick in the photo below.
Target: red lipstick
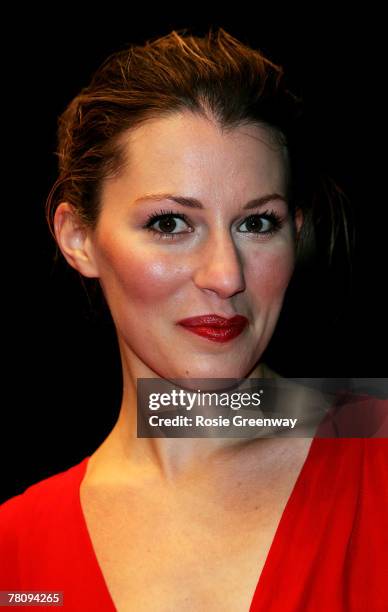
{"x": 214, "y": 327}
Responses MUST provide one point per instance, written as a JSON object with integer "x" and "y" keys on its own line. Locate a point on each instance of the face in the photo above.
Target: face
{"x": 217, "y": 257}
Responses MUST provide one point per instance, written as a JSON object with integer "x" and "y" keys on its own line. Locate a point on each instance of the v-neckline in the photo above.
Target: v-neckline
{"x": 261, "y": 583}
{"x": 284, "y": 520}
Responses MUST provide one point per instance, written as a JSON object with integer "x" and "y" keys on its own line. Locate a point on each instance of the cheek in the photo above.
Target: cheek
{"x": 137, "y": 273}
{"x": 269, "y": 273}
{"x": 141, "y": 275}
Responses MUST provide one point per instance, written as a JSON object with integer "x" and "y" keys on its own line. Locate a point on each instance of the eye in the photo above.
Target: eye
{"x": 168, "y": 226}
{"x": 172, "y": 224}
{"x": 266, "y": 223}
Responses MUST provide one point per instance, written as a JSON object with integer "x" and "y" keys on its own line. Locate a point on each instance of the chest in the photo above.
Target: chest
{"x": 184, "y": 552}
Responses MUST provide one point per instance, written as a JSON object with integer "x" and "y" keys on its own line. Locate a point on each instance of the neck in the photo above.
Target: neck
{"x": 166, "y": 459}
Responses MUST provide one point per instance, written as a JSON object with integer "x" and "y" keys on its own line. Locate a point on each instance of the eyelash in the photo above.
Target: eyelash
{"x": 270, "y": 215}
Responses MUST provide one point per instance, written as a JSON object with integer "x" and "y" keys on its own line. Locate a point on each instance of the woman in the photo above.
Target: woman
{"x": 182, "y": 191}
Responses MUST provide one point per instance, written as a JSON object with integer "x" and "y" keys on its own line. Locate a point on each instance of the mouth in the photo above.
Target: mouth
{"x": 214, "y": 327}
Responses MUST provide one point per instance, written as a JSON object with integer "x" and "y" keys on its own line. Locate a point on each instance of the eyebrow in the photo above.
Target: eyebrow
{"x": 194, "y": 203}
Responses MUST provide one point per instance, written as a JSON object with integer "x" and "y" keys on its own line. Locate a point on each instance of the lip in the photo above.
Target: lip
{"x": 214, "y": 320}
{"x": 215, "y": 327}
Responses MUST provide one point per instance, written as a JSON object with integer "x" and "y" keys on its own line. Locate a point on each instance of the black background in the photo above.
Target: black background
{"x": 62, "y": 382}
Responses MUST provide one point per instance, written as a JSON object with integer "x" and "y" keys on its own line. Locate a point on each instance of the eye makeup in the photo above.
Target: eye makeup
{"x": 165, "y": 217}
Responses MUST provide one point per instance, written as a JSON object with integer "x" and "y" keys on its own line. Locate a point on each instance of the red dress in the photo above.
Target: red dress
{"x": 329, "y": 553}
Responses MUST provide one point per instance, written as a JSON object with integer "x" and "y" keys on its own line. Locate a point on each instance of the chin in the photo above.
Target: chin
{"x": 215, "y": 372}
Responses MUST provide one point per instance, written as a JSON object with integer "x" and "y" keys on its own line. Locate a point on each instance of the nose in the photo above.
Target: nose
{"x": 220, "y": 267}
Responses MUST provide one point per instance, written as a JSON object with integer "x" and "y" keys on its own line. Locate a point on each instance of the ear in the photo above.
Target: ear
{"x": 73, "y": 239}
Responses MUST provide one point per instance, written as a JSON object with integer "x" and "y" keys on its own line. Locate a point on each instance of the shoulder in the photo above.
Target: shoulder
{"x": 35, "y": 497}
{"x": 361, "y": 416}
{"x": 34, "y": 526}
{"x": 40, "y": 505}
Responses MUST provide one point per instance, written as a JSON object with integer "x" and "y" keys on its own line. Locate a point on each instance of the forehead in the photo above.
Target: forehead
{"x": 184, "y": 148}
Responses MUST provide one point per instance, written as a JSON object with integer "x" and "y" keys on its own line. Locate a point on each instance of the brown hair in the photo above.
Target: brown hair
{"x": 215, "y": 75}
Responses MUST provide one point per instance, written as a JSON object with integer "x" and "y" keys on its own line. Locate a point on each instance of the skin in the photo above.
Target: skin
{"x": 213, "y": 266}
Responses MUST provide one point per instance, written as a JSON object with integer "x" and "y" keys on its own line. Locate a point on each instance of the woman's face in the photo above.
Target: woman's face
{"x": 215, "y": 258}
